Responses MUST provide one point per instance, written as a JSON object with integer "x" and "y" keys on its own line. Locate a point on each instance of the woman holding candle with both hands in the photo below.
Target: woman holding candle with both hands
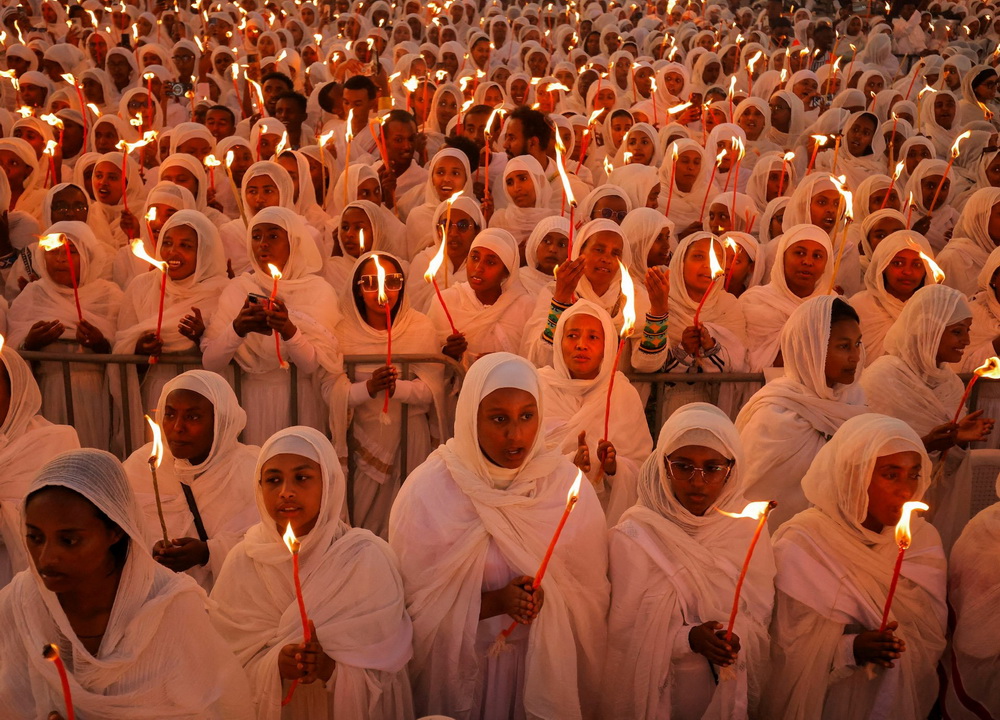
{"x": 354, "y": 665}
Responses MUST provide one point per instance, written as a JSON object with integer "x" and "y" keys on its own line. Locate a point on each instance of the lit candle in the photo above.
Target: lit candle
{"x": 892, "y": 181}
{"x": 230, "y": 156}
{"x": 909, "y": 208}
{"x": 628, "y": 325}
{"x": 673, "y": 170}
{"x": 732, "y": 92}
{"x": 711, "y": 179}
{"x": 276, "y": 276}
{"x": 211, "y": 162}
{"x": 990, "y": 369}
{"x": 755, "y": 511}
{"x": 836, "y": 153}
{"x": 383, "y": 300}
{"x": 738, "y": 147}
{"x": 293, "y": 545}
{"x": 717, "y": 271}
{"x": 51, "y": 653}
{"x": 903, "y": 538}
{"x": 818, "y": 141}
{"x": 954, "y": 155}
{"x": 585, "y": 142}
{"x": 411, "y": 85}
{"x": 155, "y": 458}
{"x": 750, "y": 67}
{"x": 148, "y": 77}
{"x": 850, "y": 68}
{"x": 68, "y": 77}
{"x": 234, "y": 69}
{"x": 50, "y": 151}
{"x": 139, "y": 250}
{"x": 430, "y": 275}
{"x": 786, "y": 158}
{"x": 847, "y": 200}
{"x": 488, "y": 136}
{"x": 322, "y": 141}
{"x": 571, "y": 498}
{"x": 348, "y": 137}
{"x": 48, "y": 243}
{"x": 126, "y": 148}
{"x": 652, "y": 95}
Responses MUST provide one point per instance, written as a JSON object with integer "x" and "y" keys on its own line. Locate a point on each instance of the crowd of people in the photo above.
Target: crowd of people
{"x": 532, "y": 206}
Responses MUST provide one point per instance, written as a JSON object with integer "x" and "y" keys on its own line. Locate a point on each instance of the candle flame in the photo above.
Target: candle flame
{"x": 821, "y": 140}
{"x": 50, "y": 652}
{"x": 903, "y": 535}
{"x": 678, "y": 108}
{"x": 754, "y": 59}
{"x": 489, "y": 120}
{"x": 574, "y": 490}
{"x": 275, "y": 272}
{"x": 958, "y": 141}
{"x": 380, "y": 273}
{"x": 48, "y": 243}
{"x": 899, "y": 169}
{"x": 593, "y": 116}
{"x": 412, "y": 83}
{"x": 139, "y": 250}
{"x": 739, "y": 147}
{"x": 789, "y": 156}
{"x": 551, "y": 87}
{"x": 151, "y": 213}
{"x": 212, "y": 161}
{"x": 53, "y": 120}
{"x": 325, "y": 138}
{"x": 989, "y": 369}
{"x": 230, "y": 156}
{"x": 927, "y": 89}
{"x": 628, "y": 311}
{"x": 156, "y": 452}
{"x": 50, "y": 148}
{"x": 24, "y": 111}
{"x": 68, "y": 77}
{"x": 608, "y": 167}
{"x": 349, "y": 131}
{"x": 754, "y": 510}
{"x": 936, "y": 271}
{"x": 282, "y": 144}
{"x": 715, "y": 268}
{"x": 291, "y": 542}
{"x": 560, "y": 149}
{"x": 436, "y": 261}
{"x": 732, "y": 87}
{"x": 128, "y": 147}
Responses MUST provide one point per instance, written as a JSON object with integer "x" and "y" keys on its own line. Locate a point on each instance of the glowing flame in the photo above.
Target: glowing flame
{"x": 958, "y": 141}
{"x": 282, "y": 144}
{"x": 50, "y": 148}
{"x": 489, "y": 121}
{"x": 68, "y": 77}
{"x": 156, "y": 453}
{"x": 574, "y": 490}
{"x": 927, "y": 89}
{"x": 146, "y": 139}
{"x": 275, "y": 272}
{"x": 715, "y": 268}
{"x": 754, "y": 510}
{"x": 739, "y": 147}
{"x": 436, "y": 261}
{"x": 720, "y": 157}
{"x": 94, "y": 109}
{"x": 361, "y": 239}
{"x": 325, "y": 138}
{"x": 593, "y": 117}
{"x": 151, "y": 214}
{"x": 48, "y": 243}
{"x": 732, "y": 86}
{"x": 24, "y": 111}
{"x": 899, "y": 169}
{"x": 903, "y": 535}
{"x": 938, "y": 274}
{"x": 412, "y": 83}
{"x": 989, "y": 369}
{"x": 754, "y": 59}
{"x": 552, "y": 87}
{"x": 52, "y": 120}
{"x": 139, "y": 250}
{"x": 291, "y": 542}
{"x": 789, "y": 156}
{"x": 349, "y": 130}
{"x": 821, "y": 140}
{"x": 678, "y": 108}
{"x": 380, "y": 273}
{"x": 230, "y": 156}
{"x": 628, "y": 311}
{"x": 560, "y": 149}
{"x": 608, "y": 167}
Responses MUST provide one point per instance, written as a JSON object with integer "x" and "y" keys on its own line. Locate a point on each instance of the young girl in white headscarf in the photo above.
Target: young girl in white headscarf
{"x": 972, "y": 241}
{"x": 354, "y": 664}
{"x": 835, "y": 563}
{"x": 375, "y": 437}
{"x": 304, "y": 315}
{"x": 545, "y": 249}
{"x": 913, "y": 382}
{"x": 575, "y": 390}
{"x": 196, "y": 277}
{"x": 470, "y": 527}
{"x": 528, "y": 195}
{"x": 937, "y": 224}
{"x": 448, "y": 174}
{"x": 27, "y": 442}
{"x": 44, "y": 317}
{"x": 490, "y": 309}
{"x": 125, "y": 627}
{"x": 896, "y": 271}
{"x": 689, "y": 176}
{"x": 674, "y": 559}
{"x": 788, "y": 420}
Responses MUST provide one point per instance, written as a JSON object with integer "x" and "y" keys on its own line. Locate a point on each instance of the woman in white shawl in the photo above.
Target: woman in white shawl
{"x": 575, "y": 391}
{"x": 863, "y": 150}
{"x": 490, "y": 309}
{"x": 470, "y": 527}
{"x": 835, "y": 562}
{"x": 973, "y": 583}
{"x": 802, "y": 270}
{"x": 976, "y": 235}
{"x": 196, "y": 277}
{"x": 689, "y": 175}
{"x": 304, "y": 316}
{"x": 545, "y": 249}
{"x": 937, "y": 224}
{"x": 448, "y": 174}
{"x": 913, "y": 381}
{"x": 374, "y": 436}
{"x": 25, "y": 175}
{"x": 674, "y": 559}
{"x": 205, "y": 468}
{"x": 466, "y": 222}
{"x": 355, "y": 663}
{"x": 27, "y": 442}
{"x": 788, "y": 119}
{"x": 788, "y": 420}
{"x": 529, "y": 198}
{"x": 900, "y": 265}
{"x": 147, "y": 648}
{"x": 361, "y": 227}
{"x": 44, "y": 317}
{"x": 938, "y": 121}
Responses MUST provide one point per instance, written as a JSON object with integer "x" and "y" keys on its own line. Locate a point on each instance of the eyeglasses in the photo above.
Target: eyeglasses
{"x": 66, "y": 207}
{"x": 710, "y": 474}
{"x": 616, "y": 215}
{"x": 460, "y": 225}
{"x": 369, "y": 283}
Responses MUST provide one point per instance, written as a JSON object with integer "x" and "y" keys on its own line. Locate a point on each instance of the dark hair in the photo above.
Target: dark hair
{"x": 400, "y": 116}
{"x": 325, "y": 96}
{"x": 479, "y": 110}
{"x": 983, "y": 76}
{"x": 119, "y": 550}
{"x": 533, "y": 125}
{"x": 296, "y": 97}
{"x": 222, "y": 109}
{"x": 359, "y": 301}
{"x": 275, "y": 75}
{"x": 840, "y": 310}
{"x": 466, "y": 146}
{"x": 360, "y": 82}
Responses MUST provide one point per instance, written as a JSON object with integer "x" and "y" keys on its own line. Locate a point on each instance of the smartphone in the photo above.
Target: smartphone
{"x": 126, "y": 41}
{"x": 256, "y": 299}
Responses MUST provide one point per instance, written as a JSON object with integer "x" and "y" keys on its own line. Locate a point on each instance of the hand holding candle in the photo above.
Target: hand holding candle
{"x": 756, "y": 511}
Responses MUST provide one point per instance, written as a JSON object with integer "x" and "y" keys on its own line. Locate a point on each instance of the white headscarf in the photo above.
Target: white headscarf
{"x": 520, "y": 221}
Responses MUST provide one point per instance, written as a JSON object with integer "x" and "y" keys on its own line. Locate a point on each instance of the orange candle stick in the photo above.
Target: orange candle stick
{"x": 820, "y": 140}
{"x": 51, "y": 653}
{"x": 628, "y": 325}
{"x": 293, "y": 547}
{"x": 785, "y": 159}
{"x": 990, "y": 369}
{"x": 903, "y": 538}
{"x": 954, "y": 156}
{"x": 711, "y": 178}
{"x": 571, "y": 498}
{"x": 276, "y": 275}
{"x": 756, "y": 511}
{"x": 586, "y": 138}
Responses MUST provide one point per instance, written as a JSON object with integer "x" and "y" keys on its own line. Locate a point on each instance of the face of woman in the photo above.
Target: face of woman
{"x": 354, "y": 222}
{"x": 292, "y": 488}
{"x": 713, "y": 118}
{"x": 620, "y": 124}
{"x": 538, "y": 63}
{"x": 929, "y": 188}
{"x": 876, "y": 197}
{"x": 883, "y": 229}
{"x": 711, "y": 72}
{"x": 521, "y": 188}
{"x": 507, "y": 422}
{"x": 448, "y": 177}
{"x": 687, "y": 169}
{"x": 486, "y": 272}
{"x": 874, "y": 85}
{"x": 583, "y": 346}
{"x": 719, "y": 219}
{"x": 674, "y": 82}
{"x": 189, "y": 425}
{"x": 777, "y": 183}
{"x": 179, "y": 250}
{"x": 774, "y": 227}
{"x": 752, "y": 122}
{"x": 986, "y": 91}
{"x": 944, "y": 110}
{"x": 446, "y": 108}
{"x": 697, "y": 477}
{"x": 859, "y": 137}
{"x": 610, "y": 207}
{"x": 370, "y": 298}
{"x": 805, "y": 90}
{"x": 601, "y": 254}
{"x": 895, "y": 480}
{"x": 659, "y": 252}
{"x": 843, "y": 353}
{"x": 519, "y": 91}
{"x": 804, "y": 263}
{"x": 905, "y": 274}
{"x": 69, "y": 204}
{"x": 697, "y": 268}
{"x": 371, "y": 191}
{"x": 269, "y": 244}
{"x": 57, "y": 267}
{"x": 823, "y": 209}
{"x": 119, "y": 69}
{"x": 198, "y": 148}
{"x": 181, "y": 176}
{"x": 781, "y": 115}
{"x": 69, "y": 542}
{"x": 738, "y": 265}
{"x": 954, "y": 340}
{"x": 107, "y": 183}
{"x": 261, "y": 192}
{"x": 915, "y": 154}
{"x": 32, "y": 137}
{"x": 642, "y": 148}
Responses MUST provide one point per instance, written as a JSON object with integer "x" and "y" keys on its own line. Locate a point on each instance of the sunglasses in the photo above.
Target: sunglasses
{"x": 460, "y": 225}
{"x": 616, "y": 215}
{"x": 369, "y": 283}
